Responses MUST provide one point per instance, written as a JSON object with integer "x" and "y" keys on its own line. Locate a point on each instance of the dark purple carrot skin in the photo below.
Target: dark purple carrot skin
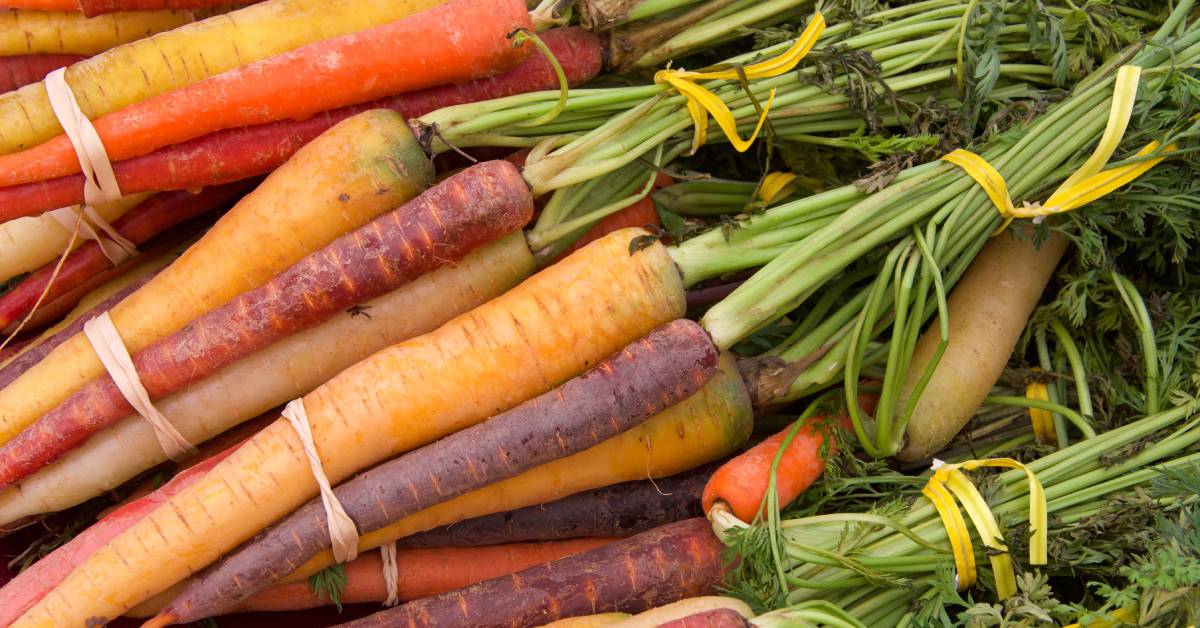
{"x": 715, "y": 618}
{"x": 633, "y": 575}
{"x": 441, "y": 226}
{"x": 613, "y": 511}
{"x": 25, "y": 361}
{"x": 645, "y": 378}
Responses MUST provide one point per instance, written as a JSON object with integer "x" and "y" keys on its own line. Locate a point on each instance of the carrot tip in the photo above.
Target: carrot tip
{"x": 161, "y": 620}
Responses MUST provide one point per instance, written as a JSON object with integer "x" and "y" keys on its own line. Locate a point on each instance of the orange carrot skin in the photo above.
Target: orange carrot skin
{"x": 441, "y": 226}
{"x": 21, "y": 70}
{"x": 715, "y": 618}
{"x": 156, "y": 214}
{"x": 742, "y": 482}
{"x": 632, "y": 575}
{"x": 23, "y": 362}
{"x": 242, "y": 152}
{"x": 31, "y": 585}
{"x": 411, "y": 53}
{"x": 423, "y": 572}
{"x": 648, "y": 376}
{"x": 620, "y": 510}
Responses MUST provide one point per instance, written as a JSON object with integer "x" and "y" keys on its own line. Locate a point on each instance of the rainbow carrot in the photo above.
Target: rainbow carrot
{"x": 453, "y": 42}
{"x": 20, "y": 70}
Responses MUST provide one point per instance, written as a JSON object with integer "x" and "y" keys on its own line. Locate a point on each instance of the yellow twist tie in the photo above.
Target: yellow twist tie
{"x": 1043, "y": 420}
{"x": 776, "y": 186}
{"x": 701, "y": 102}
{"x": 1088, "y": 183}
{"x": 951, "y": 476}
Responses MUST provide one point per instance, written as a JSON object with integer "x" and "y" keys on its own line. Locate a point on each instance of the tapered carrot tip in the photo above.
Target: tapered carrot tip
{"x": 160, "y": 620}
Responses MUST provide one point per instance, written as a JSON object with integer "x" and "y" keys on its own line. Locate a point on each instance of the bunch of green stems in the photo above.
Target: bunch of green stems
{"x": 934, "y": 219}
{"x": 593, "y": 133}
{"x": 876, "y": 562}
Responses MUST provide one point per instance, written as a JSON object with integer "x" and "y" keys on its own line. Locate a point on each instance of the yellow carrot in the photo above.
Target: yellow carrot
{"x": 546, "y": 330}
{"x": 44, "y": 32}
{"x": 139, "y": 70}
{"x": 359, "y": 169}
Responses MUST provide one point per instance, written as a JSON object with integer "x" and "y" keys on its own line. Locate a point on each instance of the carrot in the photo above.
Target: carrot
{"x": 20, "y": 70}
{"x": 454, "y": 42}
{"x": 988, "y": 310}
{"x": 682, "y": 614}
{"x": 357, "y": 170}
{"x": 281, "y": 372}
{"x": 708, "y": 425}
{"x": 640, "y": 214}
{"x": 15, "y": 347}
{"x": 50, "y": 339}
{"x": 589, "y": 621}
{"x": 645, "y": 378}
{"x": 40, "y": 32}
{"x": 34, "y": 583}
{"x": 422, "y": 573}
{"x": 92, "y": 8}
{"x": 133, "y": 72}
{"x": 29, "y": 243}
{"x": 619, "y": 510}
{"x": 675, "y": 561}
{"x": 138, "y": 225}
{"x": 238, "y": 153}
{"x": 583, "y": 309}
{"x": 441, "y": 226}
{"x": 714, "y": 618}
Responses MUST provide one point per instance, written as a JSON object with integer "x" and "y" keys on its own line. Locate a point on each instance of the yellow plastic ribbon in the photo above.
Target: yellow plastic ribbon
{"x": 701, "y": 102}
{"x": 1088, "y": 183}
{"x": 949, "y": 482}
{"x": 1043, "y": 420}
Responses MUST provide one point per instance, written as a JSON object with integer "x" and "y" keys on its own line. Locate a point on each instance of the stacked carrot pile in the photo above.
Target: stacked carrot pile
{"x": 649, "y": 313}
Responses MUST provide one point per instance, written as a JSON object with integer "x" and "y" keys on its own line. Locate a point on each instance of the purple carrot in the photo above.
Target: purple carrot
{"x": 715, "y": 618}
{"x": 645, "y": 378}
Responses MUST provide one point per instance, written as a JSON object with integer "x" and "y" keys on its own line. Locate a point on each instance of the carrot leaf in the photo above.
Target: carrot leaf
{"x": 329, "y": 584}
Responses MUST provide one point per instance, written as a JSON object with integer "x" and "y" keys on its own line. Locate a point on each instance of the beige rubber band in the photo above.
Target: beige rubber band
{"x": 342, "y": 532}
{"x": 105, "y": 340}
{"x": 391, "y": 573}
{"x": 100, "y": 183}
{"x": 116, "y": 247}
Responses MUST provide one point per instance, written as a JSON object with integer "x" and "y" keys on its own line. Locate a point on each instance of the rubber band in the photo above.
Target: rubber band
{"x": 99, "y": 180}
{"x": 701, "y": 103}
{"x": 106, "y": 342}
{"x": 1042, "y": 420}
{"x": 951, "y": 476}
{"x": 1085, "y": 185}
{"x": 342, "y": 532}
{"x": 391, "y": 573}
{"x": 116, "y": 247}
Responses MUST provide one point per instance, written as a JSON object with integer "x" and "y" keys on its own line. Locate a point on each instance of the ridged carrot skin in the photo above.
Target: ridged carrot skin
{"x": 40, "y": 32}
{"x": 20, "y": 70}
{"x": 439, "y": 227}
{"x": 20, "y": 364}
{"x": 235, "y": 154}
{"x": 620, "y": 510}
{"x": 715, "y": 618}
{"x": 450, "y": 43}
{"x": 663, "y": 565}
{"x": 648, "y": 376}
{"x": 154, "y": 215}
{"x": 92, "y": 8}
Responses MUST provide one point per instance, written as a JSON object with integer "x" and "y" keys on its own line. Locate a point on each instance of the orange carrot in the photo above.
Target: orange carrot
{"x": 423, "y": 572}
{"x": 454, "y": 42}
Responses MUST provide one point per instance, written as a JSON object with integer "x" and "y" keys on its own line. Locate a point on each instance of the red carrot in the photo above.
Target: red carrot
{"x": 715, "y": 618}
{"x": 34, "y": 583}
{"x": 439, "y": 227}
{"x": 645, "y": 378}
{"x": 25, "y": 361}
{"x": 651, "y": 569}
{"x": 20, "y": 70}
{"x": 741, "y": 484}
{"x": 450, "y": 43}
{"x": 151, "y": 217}
{"x": 244, "y": 152}
{"x": 91, "y": 8}
{"x": 620, "y": 510}
{"x": 422, "y": 573}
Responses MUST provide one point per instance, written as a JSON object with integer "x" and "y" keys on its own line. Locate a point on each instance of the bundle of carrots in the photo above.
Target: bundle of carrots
{"x": 450, "y": 306}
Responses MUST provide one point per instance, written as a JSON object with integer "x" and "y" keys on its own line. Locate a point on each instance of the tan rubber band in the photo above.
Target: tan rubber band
{"x": 105, "y": 340}
{"x": 116, "y": 247}
{"x": 342, "y": 532}
{"x": 100, "y": 183}
{"x": 391, "y": 573}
